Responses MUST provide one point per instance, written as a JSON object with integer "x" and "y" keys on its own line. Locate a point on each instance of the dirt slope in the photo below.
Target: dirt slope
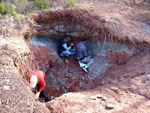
{"x": 15, "y": 95}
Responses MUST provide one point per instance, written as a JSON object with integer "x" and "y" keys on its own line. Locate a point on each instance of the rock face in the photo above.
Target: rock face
{"x": 45, "y": 53}
{"x": 45, "y": 57}
{"x": 118, "y": 57}
{"x": 60, "y": 29}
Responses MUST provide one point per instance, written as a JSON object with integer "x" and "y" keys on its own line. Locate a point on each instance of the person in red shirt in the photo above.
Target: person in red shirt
{"x": 36, "y": 81}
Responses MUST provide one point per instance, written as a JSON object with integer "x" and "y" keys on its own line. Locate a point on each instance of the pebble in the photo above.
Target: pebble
{"x": 93, "y": 97}
{"x": 148, "y": 75}
{"x": 6, "y": 87}
{"x": 104, "y": 98}
{"x": 109, "y": 106}
{"x": 0, "y": 103}
{"x": 99, "y": 95}
{"x": 114, "y": 88}
{"x": 6, "y": 80}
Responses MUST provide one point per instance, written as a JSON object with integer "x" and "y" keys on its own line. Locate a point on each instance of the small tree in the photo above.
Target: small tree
{"x": 2, "y": 7}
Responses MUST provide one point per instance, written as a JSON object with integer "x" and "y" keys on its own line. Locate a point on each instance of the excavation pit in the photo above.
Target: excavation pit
{"x": 111, "y": 45}
{"x": 69, "y": 77}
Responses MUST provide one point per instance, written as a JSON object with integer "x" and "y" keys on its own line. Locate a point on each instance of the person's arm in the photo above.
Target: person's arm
{"x": 66, "y": 47}
{"x": 28, "y": 78}
{"x": 43, "y": 84}
{"x": 85, "y": 51}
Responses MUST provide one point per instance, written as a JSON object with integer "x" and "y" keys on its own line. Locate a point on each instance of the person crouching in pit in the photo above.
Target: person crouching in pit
{"x": 37, "y": 82}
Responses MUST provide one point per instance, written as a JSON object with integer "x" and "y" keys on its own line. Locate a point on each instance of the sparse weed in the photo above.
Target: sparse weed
{"x": 11, "y": 9}
{"x": 2, "y": 7}
{"x": 43, "y": 4}
{"x": 21, "y": 5}
{"x": 71, "y": 3}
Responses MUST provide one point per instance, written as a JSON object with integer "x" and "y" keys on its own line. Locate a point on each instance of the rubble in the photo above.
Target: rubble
{"x": 110, "y": 106}
{"x": 6, "y": 88}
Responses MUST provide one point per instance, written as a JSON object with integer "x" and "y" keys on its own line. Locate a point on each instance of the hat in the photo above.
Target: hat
{"x": 33, "y": 81}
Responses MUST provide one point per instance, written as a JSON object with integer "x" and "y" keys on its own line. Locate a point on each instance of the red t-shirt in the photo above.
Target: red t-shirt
{"x": 40, "y": 75}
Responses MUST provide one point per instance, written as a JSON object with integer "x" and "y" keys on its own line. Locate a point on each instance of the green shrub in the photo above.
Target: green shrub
{"x": 71, "y": 3}
{"x": 21, "y": 5}
{"x": 11, "y": 9}
{"x": 2, "y": 7}
{"x": 42, "y": 3}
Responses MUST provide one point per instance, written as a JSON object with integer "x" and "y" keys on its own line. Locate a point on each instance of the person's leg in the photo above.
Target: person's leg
{"x": 72, "y": 50}
{"x": 81, "y": 63}
{"x": 67, "y": 53}
{"x": 88, "y": 61}
{"x": 63, "y": 53}
{"x": 91, "y": 61}
{"x": 44, "y": 92}
{"x": 72, "y": 53}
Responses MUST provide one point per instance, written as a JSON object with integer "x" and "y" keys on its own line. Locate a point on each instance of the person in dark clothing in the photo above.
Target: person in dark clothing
{"x": 64, "y": 48}
{"x": 85, "y": 60}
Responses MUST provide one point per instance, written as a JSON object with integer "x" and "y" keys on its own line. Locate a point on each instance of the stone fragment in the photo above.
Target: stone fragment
{"x": 6, "y": 87}
{"x": 0, "y": 103}
{"x": 93, "y": 97}
{"x": 104, "y": 98}
{"x": 6, "y": 80}
{"x": 60, "y": 28}
{"x": 109, "y": 106}
{"x": 99, "y": 95}
{"x": 114, "y": 88}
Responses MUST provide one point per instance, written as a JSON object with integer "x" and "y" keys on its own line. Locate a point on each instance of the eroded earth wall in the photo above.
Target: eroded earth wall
{"x": 15, "y": 94}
